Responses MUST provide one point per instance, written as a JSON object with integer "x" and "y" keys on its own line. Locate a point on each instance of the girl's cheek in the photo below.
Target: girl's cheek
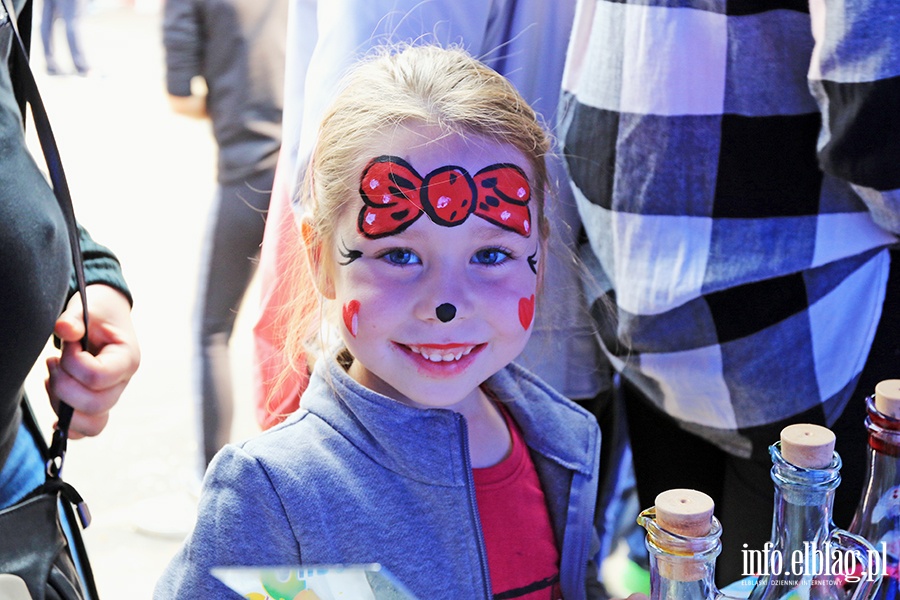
{"x": 359, "y": 293}
{"x": 513, "y": 304}
{"x": 368, "y": 308}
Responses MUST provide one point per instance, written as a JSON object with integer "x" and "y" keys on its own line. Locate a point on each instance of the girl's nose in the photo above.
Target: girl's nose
{"x": 445, "y": 294}
{"x": 445, "y": 312}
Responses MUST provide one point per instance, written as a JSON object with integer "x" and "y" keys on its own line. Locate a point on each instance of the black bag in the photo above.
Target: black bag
{"x": 33, "y": 543}
{"x": 34, "y": 546}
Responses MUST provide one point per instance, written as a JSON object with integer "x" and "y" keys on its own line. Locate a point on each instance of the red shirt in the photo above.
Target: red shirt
{"x": 521, "y": 548}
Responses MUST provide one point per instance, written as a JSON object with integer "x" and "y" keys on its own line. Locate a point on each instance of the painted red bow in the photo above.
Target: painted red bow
{"x": 395, "y": 195}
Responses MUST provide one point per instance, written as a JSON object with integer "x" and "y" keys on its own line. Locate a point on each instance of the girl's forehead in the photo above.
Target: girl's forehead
{"x": 417, "y": 170}
{"x": 427, "y": 148}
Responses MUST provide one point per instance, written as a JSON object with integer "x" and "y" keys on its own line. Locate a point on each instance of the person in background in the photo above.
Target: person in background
{"x": 276, "y": 389}
{"x": 737, "y": 167}
{"x": 417, "y": 444}
{"x": 70, "y": 13}
{"x": 40, "y": 300}
{"x": 237, "y": 47}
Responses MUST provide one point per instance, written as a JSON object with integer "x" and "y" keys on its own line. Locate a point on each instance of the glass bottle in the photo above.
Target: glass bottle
{"x": 877, "y": 516}
{"x": 807, "y": 556}
{"x": 683, "y": 541}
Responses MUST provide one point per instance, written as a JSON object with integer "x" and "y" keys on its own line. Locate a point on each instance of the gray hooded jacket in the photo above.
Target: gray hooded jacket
{"x": 355, "y": 477}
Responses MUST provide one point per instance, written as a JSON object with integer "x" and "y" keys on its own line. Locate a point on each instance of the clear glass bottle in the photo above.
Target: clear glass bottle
{"x": 877, "y": 516}
{"x": 807, "y": 556}
{"x": 682, "y": 556}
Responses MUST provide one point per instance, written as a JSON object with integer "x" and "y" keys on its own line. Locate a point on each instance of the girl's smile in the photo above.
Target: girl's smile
{"x": 441, "y": 352}
{"x": 442, "y": 358}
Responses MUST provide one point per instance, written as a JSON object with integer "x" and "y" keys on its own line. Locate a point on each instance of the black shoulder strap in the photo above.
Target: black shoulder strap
{"x": 29, "y": 93}
{"x": 24, "y": 24}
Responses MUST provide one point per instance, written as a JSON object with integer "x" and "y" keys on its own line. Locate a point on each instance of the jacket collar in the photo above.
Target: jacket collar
{"x": 426, "y": 445}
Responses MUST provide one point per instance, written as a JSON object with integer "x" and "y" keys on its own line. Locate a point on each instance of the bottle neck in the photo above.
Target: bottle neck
{"x": 681, "y": 567}
{"x": 665, "y": 588}
{"x": 882, "y": 477}
{"x": 884, "y": 431}
{"x": 801, "y": 517}
{"x": 802, "y": 526}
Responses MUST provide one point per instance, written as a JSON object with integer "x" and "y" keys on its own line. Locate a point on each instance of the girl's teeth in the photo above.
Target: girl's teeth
{"x": 437, "y": 357}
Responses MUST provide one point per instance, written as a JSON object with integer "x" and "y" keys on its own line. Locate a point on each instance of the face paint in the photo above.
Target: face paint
{"x": 436, "y": 300}
{"x": 532, "y": 262}
{"x": 349, "y": 255}
{"x": 351, "y": 317}
{"x": 445, "y": 312}
{"x": 395, "y": 195}
{"x": 526, "y": 311}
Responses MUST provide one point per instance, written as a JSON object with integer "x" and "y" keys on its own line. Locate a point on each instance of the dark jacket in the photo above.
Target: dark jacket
{"x": 238, "y": 47}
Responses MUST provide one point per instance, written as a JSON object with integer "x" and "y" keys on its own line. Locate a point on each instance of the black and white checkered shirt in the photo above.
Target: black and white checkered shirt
{"x": 748, "y": 284}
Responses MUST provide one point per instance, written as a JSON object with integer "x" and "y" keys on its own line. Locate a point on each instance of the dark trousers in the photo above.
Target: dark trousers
{"x": 666, "y": 456}
{"x": 229, "y": 262}
{"x": 67, "y": 10}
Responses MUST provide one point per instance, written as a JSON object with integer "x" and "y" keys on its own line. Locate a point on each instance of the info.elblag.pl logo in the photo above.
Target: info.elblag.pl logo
{"x": 830, "y": 564}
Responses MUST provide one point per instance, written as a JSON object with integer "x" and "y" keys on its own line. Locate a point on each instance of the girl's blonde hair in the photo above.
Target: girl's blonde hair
{"x": 442, "y": 88}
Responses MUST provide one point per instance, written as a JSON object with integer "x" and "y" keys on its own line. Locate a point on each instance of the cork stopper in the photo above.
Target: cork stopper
{"x": 687, "y": 513}
{"x": 887, "y": 398}
{"x": 808, "y": 446}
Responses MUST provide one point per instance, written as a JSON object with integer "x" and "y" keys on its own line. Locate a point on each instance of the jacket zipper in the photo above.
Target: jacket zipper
{"x": 581, "y": 523}
{"x": 578, "y": 580}
{"x": 473, "y": 506}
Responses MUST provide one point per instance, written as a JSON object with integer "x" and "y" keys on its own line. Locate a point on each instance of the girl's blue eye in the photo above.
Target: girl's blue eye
{"x": 401, "y": 256}
{"x": 490, "y": 256}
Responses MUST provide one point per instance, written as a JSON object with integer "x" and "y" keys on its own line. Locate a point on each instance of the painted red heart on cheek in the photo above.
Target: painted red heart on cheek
{"x": 351, "y": 316}
{"x": 526, "y": 311}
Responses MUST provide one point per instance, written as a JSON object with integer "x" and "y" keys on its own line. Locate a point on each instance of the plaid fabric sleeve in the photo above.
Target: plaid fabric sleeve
{"x": 690, "y": 136}
{"x": 855, "y": 77}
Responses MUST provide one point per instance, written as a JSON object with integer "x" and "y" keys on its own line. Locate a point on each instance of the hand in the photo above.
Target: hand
{"x": 91, "y": 382}
{"x": 189, "y": 106}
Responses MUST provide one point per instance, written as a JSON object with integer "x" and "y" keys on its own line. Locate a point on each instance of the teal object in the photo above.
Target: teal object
{"x": 282, "y": 585}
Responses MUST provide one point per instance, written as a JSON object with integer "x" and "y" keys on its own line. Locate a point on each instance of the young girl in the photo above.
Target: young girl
{"x": 418, "y": 445}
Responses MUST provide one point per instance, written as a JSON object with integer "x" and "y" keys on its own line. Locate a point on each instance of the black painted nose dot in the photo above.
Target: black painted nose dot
{"x": 445, "y": 312}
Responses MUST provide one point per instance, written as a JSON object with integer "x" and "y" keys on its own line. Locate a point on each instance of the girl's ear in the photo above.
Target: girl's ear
{"x": 316, "y": 259}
